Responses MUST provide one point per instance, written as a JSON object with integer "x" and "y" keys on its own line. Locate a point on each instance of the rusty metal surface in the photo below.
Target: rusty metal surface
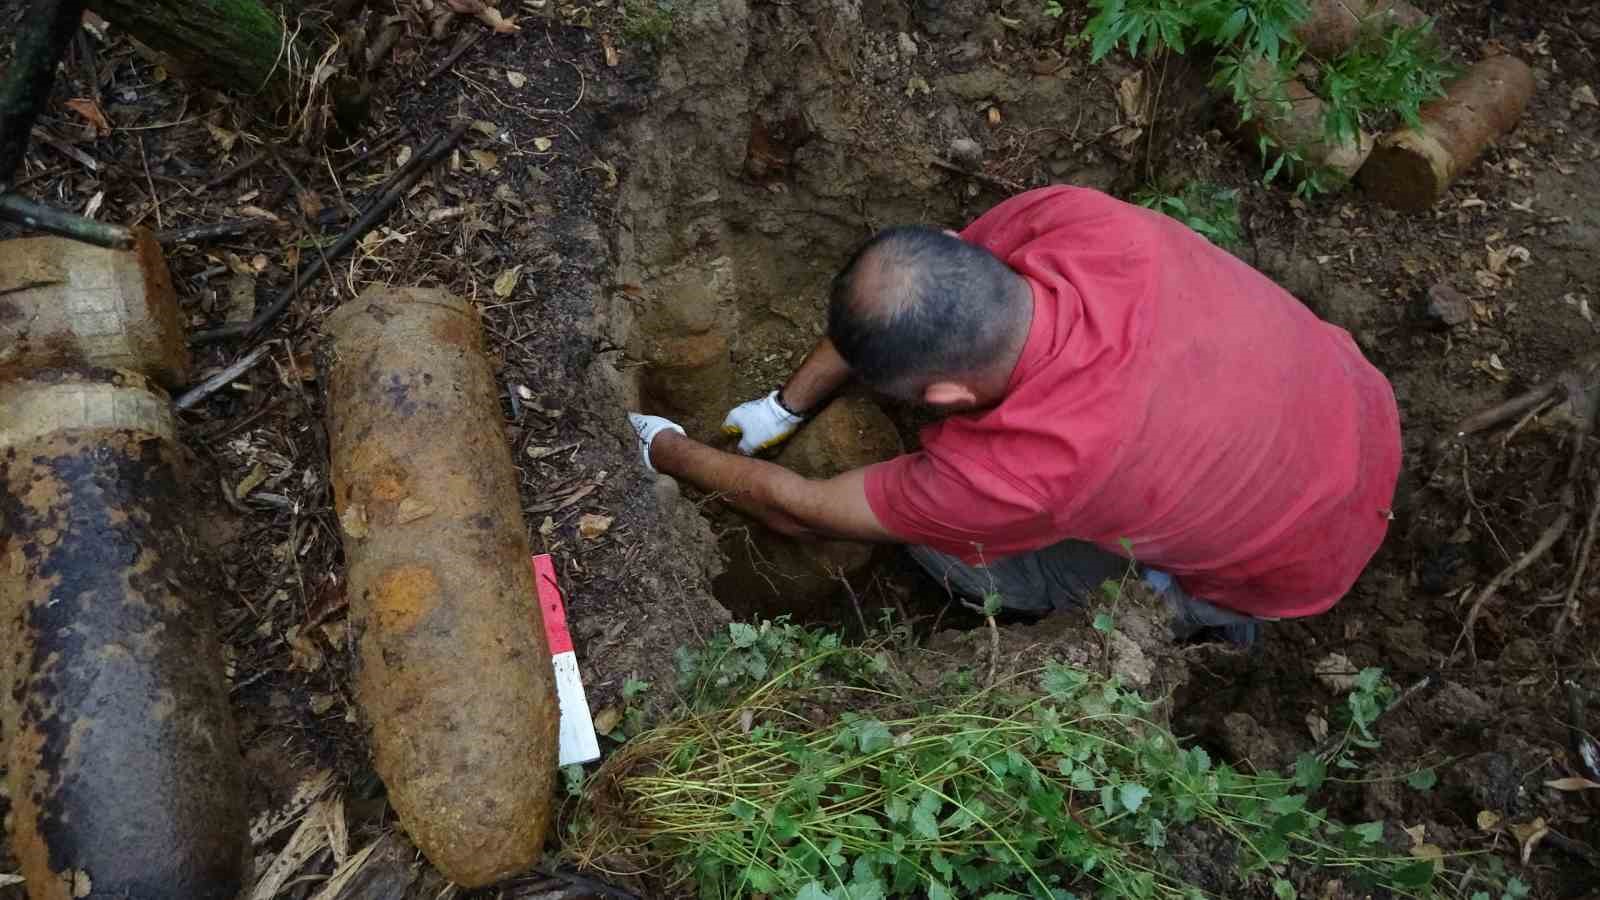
{"x": 123, "y": 763}
{"x": 455, "y": 675}
{"x": 66, "y": 303}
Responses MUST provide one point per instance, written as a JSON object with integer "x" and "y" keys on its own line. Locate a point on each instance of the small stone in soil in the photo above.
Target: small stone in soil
{"x": 1448, "y": 306}
{"x": 966, "y": 153}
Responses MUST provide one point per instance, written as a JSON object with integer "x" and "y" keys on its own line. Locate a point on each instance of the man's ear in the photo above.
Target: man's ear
{"x": 949, "y": 394}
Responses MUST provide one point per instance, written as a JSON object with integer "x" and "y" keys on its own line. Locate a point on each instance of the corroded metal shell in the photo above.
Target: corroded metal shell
{"x": 455, "y": 674}
{"x": 122, "y": 759}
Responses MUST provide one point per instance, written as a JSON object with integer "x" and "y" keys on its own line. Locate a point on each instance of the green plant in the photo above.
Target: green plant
{"x": 648, "y": 21}
{"x": 1381, "y": 77}
{"x": 1384, "y": 76}
{"x": 837, "y": 778}
{"x": 1209, "y": 209}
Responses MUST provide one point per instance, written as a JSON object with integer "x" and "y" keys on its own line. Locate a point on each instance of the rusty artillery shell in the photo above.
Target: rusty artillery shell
{"x": 123, "y": 762}
{"x": 66, "y": 303}
{"x": 455, "y": 676}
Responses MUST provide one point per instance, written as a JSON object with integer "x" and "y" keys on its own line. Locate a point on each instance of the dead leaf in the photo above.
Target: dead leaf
{"x": 258, "y": 263}
{"x": 1430, "y": 852}
{"x": 1584, "y": 96}
{"x": 93, "y": 206}
{"x": 547, "y": 527}
{"x": 542, "y": 144}
{"x": 256, "y": 212}
{"x": 258, "y": 474}
{"x": 1488, "y": 820}
{"x": 506, "y": 281}
{"x": 1130, "y": 97}
{"x": 610, "y": 52}
{"x": 501, "y": 25}
{"x": 607, "y": 720}
{"x": 485, "y": 160}
{"x": 91, "y": 113}
{"x": 335, "y": 632}
{"x": 444, "y": 214}
{"x": 403, "y": 156}
{"x": 592, "y": 525}
{"x": 81, "y": 885}
{"x": 1572, "y": 784}
{"x": 993, "y": 116}
{"x": 353, "y": 520}
{"x": 7, "y": 879}
{"x": 303, "y": 649}
{"x": 241, "y": 297}
{"x": 321, "y": 703}
{"x": 310, "y": 203}
{"x": 1418, "y": 833}
{"x": 1529, "y": 836}
{"x": 224, "y": 138}
{"x": 412, "y": 509}
{"x": 1487, "y": 279}
{"x": 268, "y": 824}
{"x": 1318, "y": 726}
{"x": 1336, "y": 672}
{"x": 516, "y": 79}
{"x": 916, "y": 84}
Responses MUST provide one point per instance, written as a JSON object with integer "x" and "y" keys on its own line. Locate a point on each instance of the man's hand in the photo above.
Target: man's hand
{"x": 761, "y": 424}
{"x": 647, "y": 427}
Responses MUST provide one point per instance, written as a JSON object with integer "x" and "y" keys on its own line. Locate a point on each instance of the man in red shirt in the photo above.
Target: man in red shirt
{"x": 1114, "y": 386}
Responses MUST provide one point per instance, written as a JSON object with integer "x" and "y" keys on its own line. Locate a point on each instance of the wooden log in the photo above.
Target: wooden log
{"x": 1334, "y": 26}
{"x": 237, "y": 46}
{"x": 123, "y": 763}
{"x": 455, "y": 674}
{"x": 1412, "y": 168}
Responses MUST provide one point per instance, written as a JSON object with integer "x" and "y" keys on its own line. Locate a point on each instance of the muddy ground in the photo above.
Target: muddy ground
{"x": 670, "y": 213}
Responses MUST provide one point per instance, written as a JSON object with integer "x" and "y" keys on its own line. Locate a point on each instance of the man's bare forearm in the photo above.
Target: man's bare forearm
{"x": 785, "y": 502}
{"x": 749, "y": 485}
{"x": 821, "y": 374}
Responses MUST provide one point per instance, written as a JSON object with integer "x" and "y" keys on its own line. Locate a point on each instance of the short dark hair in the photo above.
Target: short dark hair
{"x": 917, "y": 302}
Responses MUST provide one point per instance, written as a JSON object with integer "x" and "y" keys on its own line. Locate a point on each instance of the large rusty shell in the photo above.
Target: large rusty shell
{"x": 455, "y": 674}
{"x": 67, "y": 303}
{"x": 122, "y": 759}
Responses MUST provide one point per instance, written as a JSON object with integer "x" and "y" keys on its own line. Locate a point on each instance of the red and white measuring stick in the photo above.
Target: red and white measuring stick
{"x": 578, "y": 742}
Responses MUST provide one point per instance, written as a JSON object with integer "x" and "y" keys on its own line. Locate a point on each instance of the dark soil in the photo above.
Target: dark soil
{"x": 749, "y": 153}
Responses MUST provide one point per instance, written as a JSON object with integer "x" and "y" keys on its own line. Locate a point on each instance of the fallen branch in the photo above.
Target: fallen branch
{"x": 1579, "y": 397}
{"x": 375, "y": 149}
{"x": 1000, "y": 184}
{"x": 246, "y": 165}
{"x": 395, "y": 189}
{"x": 467, "y": 41}
{"x": 1569, "y": 604}
{"x": 28, "y": 214}
{"x": 212, "y": 231}
{"x": 192, "y": 397}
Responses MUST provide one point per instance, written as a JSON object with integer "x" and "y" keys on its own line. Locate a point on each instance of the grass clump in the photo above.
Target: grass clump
{"x": 1210, "y": 210}
{"x": 801, "y": 768}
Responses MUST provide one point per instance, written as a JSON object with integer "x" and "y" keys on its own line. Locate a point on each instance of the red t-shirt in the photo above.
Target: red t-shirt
{"x": 1168, "y": 395}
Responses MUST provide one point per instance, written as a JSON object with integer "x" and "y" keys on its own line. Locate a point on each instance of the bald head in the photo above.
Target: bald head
{"x": 916, "y": 304}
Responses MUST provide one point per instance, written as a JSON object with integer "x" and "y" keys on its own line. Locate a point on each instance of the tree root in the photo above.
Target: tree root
{"x": 1573, "y": 395}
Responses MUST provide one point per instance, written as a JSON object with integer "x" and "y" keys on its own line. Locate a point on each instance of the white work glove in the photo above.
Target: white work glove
{"x": 647, "y": 427}
{"x": 761, "y": 424}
